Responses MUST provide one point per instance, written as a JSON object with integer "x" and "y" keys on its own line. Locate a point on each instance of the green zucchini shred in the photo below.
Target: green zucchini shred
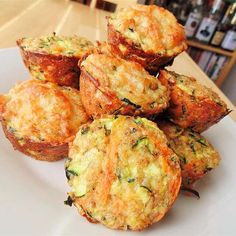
{"x": 84, "y": 130}
{"x": 148, "y": 189}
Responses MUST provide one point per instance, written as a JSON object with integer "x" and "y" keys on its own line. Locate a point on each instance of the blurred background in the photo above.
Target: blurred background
{"x": 210, "y": 26}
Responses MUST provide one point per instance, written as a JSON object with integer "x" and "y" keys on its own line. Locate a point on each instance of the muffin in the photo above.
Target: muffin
{"x": 40, "y": 119}
{"x": 111, "y": 85}
{"x": 54, "y": 58}
{"x": 149, "y": 35}
{"x": 192, "y": 105}
{"x": 122, "y": 183}
{"x": 197, "y": 156}
{"x": 104, "y": 48}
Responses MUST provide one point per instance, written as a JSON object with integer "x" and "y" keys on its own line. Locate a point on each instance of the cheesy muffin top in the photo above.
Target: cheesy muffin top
{"x": 151, "y": 28}
{"x": 192, "y": 105}
{"x": 197, "y": 155}
{"x": 43, "y": 112}
{"x": 104, "y": 48}
{"x": 70, "y": 46}
{"x": 190, "y": 86}
{"x": 123, "y": 183}
{"x": 130, "y": 82}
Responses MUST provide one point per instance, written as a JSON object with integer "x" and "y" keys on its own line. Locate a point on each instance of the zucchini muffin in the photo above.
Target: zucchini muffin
{"x": 149, "y": 35}
{"x": 40, "y": 119}
{"x": 104, "y": 48}
{"x": 111, "y": 85}
{"x": 55, "y": 58}
{"x": 197, "y": 156}
{"x": 192, "y": 104}
{"x": 122, "y": 183}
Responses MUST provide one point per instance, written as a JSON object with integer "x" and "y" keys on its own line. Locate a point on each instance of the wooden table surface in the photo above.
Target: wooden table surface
{"x": 20, "y": 18}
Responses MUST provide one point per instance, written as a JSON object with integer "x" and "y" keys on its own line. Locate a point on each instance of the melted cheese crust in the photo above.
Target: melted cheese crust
{"x": 123, "y": 183}
{"x": 58, "y": 45}
{"x": 191, "y": 87}
{"x": 197, "y": 155}
{"x": 104, "y": 48}
{"x": 152, "y": 28}
{"x": 128, "y": 80}
{"x": 192, "y": 104}
{"x": 43, "y": 112}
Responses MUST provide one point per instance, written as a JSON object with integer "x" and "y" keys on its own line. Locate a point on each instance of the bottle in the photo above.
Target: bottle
{"x": 224, "y": 25}
{"x": 229, "y": 41}
{"x": 209, "y": 22}
{"x": 180, "y": 9}
{"x": 174, "y": 7}
{"x": 194, "y": 18}
{"x": 161, "y": 3}
{"x": 186, "y": 7}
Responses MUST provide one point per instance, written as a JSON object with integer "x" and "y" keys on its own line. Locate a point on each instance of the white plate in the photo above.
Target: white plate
{"x": 32, "y": 192}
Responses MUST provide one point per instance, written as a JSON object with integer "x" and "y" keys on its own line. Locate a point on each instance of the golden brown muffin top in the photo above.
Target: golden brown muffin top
{"x": 70, "y": 46}
{"x": 43, "y": 112}
{"x": 197, "y": 155}
{"x": 190, "y": 86}
{"x": 192, "y": 104}
{"x": 123, "y": 183}
{"x": 188, "y": 90}
{"x": 152, "y": 28}
{"x": 128, "y": 80}
{"x": 104, "y": 48}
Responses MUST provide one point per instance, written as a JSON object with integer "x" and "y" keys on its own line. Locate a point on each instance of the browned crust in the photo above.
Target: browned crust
{"x": 110, "y": 176}
{"x": 106, "y": 103}
{"x": 83, "y": 213}
{"x": 198, "y": 115}
{"x": 150, "y": 61}
{"x": 42, "y": 151}
{"x": 195, "y": 168}
{"x": 59, "y": 69}
{"x": 98, "y": 100}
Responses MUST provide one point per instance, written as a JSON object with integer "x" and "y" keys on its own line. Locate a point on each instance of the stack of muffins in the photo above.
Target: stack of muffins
{"x": 93, "y": 105}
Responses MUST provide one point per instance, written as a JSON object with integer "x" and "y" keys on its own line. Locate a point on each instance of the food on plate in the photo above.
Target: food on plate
{"x": 104, "y": 48}
{"x": 54, "y": 58}
{"x": 111, "y": 85}
{"x": 197, "y": 156}
{"x": 192, "y": 105}
{"x": 123, "y": 183}
{"x": 40, "y": 119}
{"x": 149, "y": 35}
{"x": 124, "y": 171}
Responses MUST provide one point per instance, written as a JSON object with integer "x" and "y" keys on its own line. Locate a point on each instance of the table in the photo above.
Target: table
{"x": 20, "y": 18}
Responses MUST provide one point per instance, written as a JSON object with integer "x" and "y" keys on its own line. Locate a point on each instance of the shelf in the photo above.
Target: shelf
{"x": 209, "y": 48}
{"x": 227, "y": 66}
